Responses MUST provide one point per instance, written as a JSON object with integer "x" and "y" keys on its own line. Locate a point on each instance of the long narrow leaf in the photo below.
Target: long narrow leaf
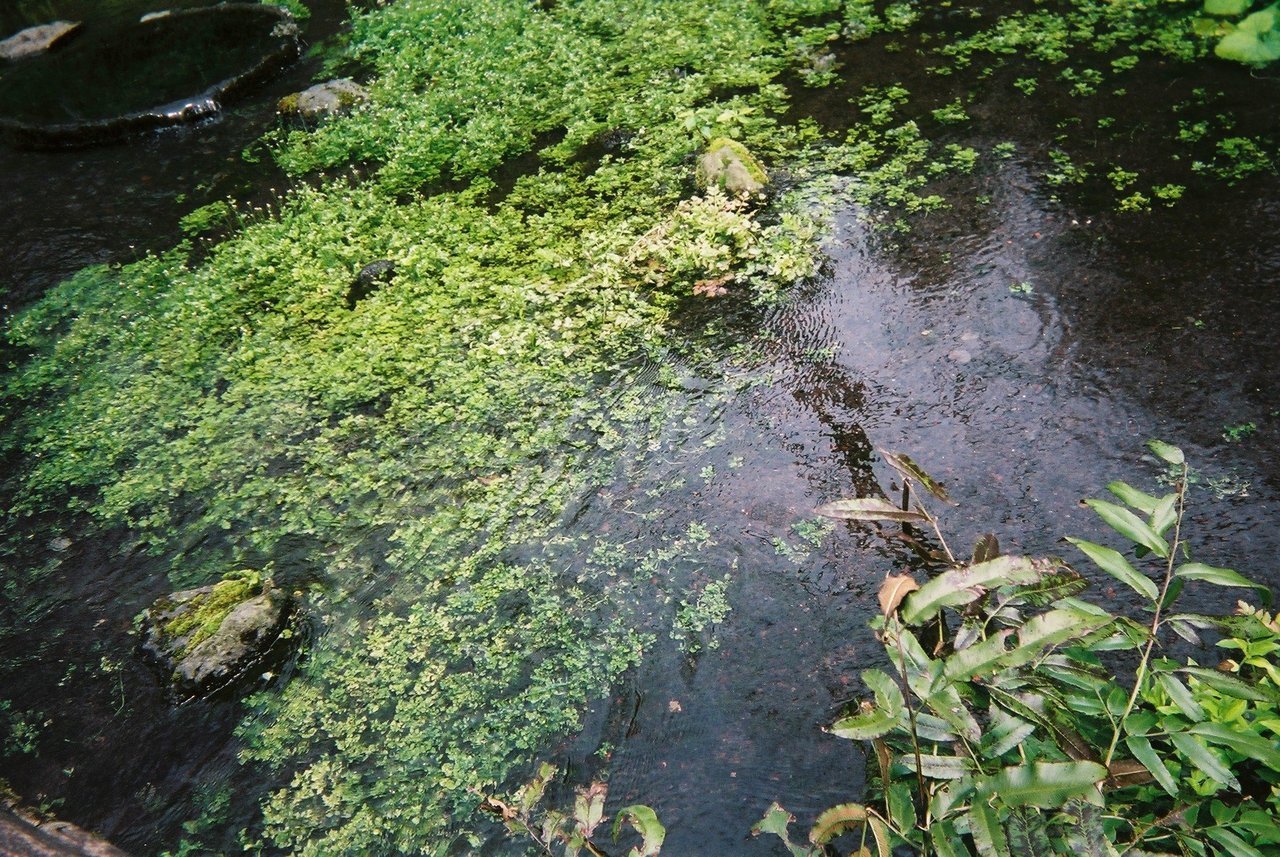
{"x": 868, "y": 509}
{"x": 980, "y": 659}
{"x": 1052, "y": 629}
{"x": 988, "y": 835}
{"x": 1241, "y": 741}
{"x": 1130, "y": 496}
{"x": 1229, "y": 685}
{"x": 964, "y": 585}
{"x": 1202, "y": 757}
{"x": 1181, "y": 696}
{"x": 836, "y": 820}
{"x": 1028, "y": 834}
{"x": 939, "y": 767}
{"x": 1044, "y": 784}
{"x": 1235, "y": 846}
{"x": 1219, "y": 576}
{"x": 1130, "y": 526}
{"x": 1113, "y": 563}
{"x": 1168, "y": 453}
{"x": 1143, "y": 751}
{"x": 908, "y": 469}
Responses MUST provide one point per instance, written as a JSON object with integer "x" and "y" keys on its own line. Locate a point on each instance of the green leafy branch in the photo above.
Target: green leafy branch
{"x": 1004, "y": 732}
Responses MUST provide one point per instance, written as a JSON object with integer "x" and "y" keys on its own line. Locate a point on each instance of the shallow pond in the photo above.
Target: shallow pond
{"x": 1021, "y": 348}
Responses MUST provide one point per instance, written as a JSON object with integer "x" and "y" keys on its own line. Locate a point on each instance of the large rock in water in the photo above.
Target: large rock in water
{"x": 729, "y": 166}
{"x": 204, "y": 638}
{"x": 36, "y": 40}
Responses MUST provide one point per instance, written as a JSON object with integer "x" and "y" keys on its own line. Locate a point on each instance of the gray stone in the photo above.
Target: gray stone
{"x": 36, "y": 40}
{"x": 198, "y": 660}
{"x": 324, "y": 99}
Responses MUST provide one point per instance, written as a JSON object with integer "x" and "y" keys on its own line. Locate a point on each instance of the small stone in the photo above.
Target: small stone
{"x": 729, "y": 166}
{"x": 60, "y": 544}
{"x": 960, "y": 356}
{"x": 36, "y": 40}
{"x": 324, "y": 99}
{"x": 152, "y": 16}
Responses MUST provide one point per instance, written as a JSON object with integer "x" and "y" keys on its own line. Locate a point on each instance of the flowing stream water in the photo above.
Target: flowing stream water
{"x": 1022, "y": 349}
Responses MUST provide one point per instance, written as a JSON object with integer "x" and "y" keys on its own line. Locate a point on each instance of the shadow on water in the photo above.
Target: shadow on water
{"x": 1021, "y": 349}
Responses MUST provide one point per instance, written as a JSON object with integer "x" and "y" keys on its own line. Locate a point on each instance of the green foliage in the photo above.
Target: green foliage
{"x": 571, "y": 833}
{"x": 1011, "y": 736}
{"x": 1253, "y": 39}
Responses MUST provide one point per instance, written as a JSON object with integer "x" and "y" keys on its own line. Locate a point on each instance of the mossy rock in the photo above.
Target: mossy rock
{"x": 204, "y": 638}
{"x": 324, "y": 99}
{"x": 729, "y": 166}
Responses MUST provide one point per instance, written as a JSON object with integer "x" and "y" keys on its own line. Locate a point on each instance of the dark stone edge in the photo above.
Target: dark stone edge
{"x": 192, "y": 109}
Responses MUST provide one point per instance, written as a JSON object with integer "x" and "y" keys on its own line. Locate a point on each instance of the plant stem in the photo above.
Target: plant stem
{"x": 1141, "y": 675}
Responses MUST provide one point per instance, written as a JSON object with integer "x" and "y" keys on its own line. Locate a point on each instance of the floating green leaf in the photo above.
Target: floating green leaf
{"x": 1256, "y": 39}
{"x": 868, "y": 509}
{"x": 910, "y": 470}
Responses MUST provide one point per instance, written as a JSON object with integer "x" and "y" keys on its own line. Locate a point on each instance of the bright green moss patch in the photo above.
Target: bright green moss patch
{"x": 204, "y": 615}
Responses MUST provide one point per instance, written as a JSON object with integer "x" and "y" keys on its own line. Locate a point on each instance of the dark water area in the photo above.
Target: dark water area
{"x": 113, "y": 203}
{"x": 1021, "y": 347}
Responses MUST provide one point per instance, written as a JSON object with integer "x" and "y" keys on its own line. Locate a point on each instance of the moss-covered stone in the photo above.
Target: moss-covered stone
{"x": 729, "y": 166}
{"x": 203, "y": 637}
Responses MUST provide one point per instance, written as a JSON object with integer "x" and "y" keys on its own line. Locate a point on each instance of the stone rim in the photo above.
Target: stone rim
{"x": 201, "y": 105}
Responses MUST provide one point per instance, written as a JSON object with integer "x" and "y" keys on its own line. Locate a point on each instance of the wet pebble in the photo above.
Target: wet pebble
{"x": 959, "y": 355}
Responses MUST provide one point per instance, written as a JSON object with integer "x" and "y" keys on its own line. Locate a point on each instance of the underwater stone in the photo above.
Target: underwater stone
{"x": 203, "y": 642}
{"x": 324, "y": 99}
{"x": 729, "y": 166}
{"x": 36, "y": 40}
{"x": 371, "y": 277}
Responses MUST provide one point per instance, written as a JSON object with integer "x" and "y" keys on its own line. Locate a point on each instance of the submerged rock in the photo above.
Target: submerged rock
{"x": 371, "y": 277}
{"x": 36, "y": 40}
{"x": 205, "y": 637}
{"x": 324, "y": 99}
{"x": 729, "y": 166}
{"x": 25, "y": 834}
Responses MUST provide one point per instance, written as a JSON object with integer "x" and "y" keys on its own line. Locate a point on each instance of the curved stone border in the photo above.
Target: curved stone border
{"x": 198, "y": 106}
{"x": 22, "y": 832}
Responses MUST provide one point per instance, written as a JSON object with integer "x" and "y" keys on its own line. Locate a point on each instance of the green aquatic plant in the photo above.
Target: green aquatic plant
{"x": 1005, "y": 731}
{"x": 1252, "y": 39}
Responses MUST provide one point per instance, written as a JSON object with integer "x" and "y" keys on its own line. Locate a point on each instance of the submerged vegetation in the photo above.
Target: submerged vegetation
{"x": 529, "y": 172}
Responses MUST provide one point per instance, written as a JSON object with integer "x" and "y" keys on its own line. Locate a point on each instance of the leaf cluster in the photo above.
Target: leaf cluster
{"x": 1008, "y": 735}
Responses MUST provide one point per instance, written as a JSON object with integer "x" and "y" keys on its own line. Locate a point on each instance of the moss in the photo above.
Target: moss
{"x": 202, "y": 616}
{"x": 288, "y": 104}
